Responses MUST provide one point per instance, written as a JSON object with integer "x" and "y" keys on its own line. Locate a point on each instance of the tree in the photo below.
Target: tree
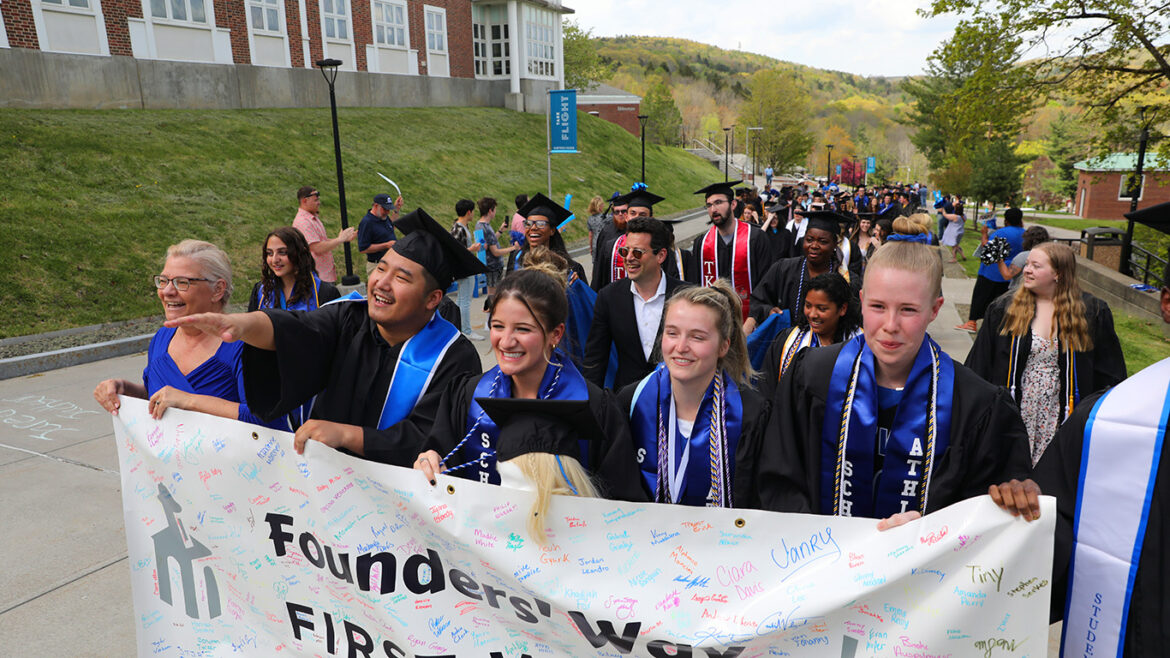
{"x": 665, "y": 122}
{"x": 583, "y": 66}
{"x": 1066, "y": 144}
{"x": 777, "y": 104}
{"x": 997, "y": 172}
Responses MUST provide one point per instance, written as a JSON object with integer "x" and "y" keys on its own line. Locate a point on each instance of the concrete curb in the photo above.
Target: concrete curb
{"x": 30, "y": 364}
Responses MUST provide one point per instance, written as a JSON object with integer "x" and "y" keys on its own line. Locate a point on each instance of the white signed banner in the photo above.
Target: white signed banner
{"x": 240, "y": 547}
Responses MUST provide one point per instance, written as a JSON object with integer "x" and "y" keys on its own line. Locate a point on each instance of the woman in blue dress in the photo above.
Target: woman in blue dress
{"x": 288, "y": 277}
{"x": 187, "y": 368}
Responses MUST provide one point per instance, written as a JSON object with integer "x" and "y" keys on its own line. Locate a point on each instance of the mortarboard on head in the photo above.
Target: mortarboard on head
{"x": 433, "y": 247}
{"x": 550, "y": 426}
{"x": 545, "y": 207}
{"x": 828, "y": 220}
{"x": 778, "y": 207}
{"x": 718, "y": 188}
{"x": 1156, "y": 217}
{"x": 639, "y": 199}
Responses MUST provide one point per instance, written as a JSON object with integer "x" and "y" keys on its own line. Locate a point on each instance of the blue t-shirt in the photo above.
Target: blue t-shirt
{"x": 1015, "y": 237}
{"x": 373, "y": 230}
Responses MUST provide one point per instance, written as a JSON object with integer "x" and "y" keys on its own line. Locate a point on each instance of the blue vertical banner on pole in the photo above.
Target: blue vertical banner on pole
{"x": 563, "y": 121}
{"x": 870, "y": 164}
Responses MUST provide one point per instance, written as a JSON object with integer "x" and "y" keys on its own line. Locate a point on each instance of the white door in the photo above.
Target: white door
{"x": 438, "y": 60}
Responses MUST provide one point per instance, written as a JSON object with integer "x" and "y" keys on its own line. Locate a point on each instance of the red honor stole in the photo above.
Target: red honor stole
{"x": 740, "y": 262}
{"x": 617, "y": 264}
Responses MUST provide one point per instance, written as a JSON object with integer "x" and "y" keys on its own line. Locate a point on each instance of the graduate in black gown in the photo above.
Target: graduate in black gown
{"x": 832, "y": 314}
{"x": 1076, "y": 330}
{"x": 697, "y": 423}
{"x": 607, "y": 262}
{"x": 778, "y": 236}
{"x": 348, "y": 354}
{"x": 527, "y": 320}
{"x": 1113, "y": 506}
{"x": 542, "y": 216}
{"x": 905, "y": 451}
{"x": 612, "y": 229}
{"x": 782, "y": 287}
{"x": 730, "y": 249}
{"x": 679, "y": 261}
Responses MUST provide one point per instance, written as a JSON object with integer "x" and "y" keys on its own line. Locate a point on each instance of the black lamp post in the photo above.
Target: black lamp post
{"x": 726, "y": 166}
{"x": 1135, "y": 188}
{"x": 829, "y": 165}
{"x": 642, "y": 122}
{"x": 329, "y": 71}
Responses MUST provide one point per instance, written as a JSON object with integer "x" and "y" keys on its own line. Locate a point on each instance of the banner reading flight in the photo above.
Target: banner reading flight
{"x": 239, "y": 546}
{"x": 562, "y": 121}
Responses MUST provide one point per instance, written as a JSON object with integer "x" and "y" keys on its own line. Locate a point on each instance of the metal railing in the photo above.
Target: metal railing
{"x": 1142, "y": 261}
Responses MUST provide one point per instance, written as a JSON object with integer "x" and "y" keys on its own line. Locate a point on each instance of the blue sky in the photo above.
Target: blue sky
{"x": 866, "y": 37}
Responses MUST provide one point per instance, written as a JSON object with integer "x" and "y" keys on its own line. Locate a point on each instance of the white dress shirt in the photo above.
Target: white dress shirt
{"x": 648, "y": 314}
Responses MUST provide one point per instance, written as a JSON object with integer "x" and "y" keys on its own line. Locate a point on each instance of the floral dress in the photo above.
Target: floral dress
{"x": 1040, "y": 401}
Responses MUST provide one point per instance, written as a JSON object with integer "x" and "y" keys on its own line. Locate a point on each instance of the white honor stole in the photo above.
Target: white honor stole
{"x": 1119, "y": 464}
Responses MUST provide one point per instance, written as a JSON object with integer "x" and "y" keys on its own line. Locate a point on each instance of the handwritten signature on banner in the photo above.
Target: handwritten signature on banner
{"x": 264, "y": 551}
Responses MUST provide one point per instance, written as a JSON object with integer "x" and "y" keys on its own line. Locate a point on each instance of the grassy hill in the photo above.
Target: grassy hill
{"x": 95, "y": 197}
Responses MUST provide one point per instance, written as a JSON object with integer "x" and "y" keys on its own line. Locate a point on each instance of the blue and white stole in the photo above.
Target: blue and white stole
{"x": 1119, "y": 465}
{"x": 674, "y": 469}
{"x": 417, "y": 362}
{"x": 920, "y": 433}
{"x": 276, "y": 299}
{"x": 561, "y": 381}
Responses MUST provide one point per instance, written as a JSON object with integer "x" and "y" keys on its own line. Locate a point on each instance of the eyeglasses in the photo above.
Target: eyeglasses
{"x": 536, "y": 223}
{"x": 181, "y": 282}
{"x": 712, "y": 204}
{"x": 623, "y": 211}
{"x": 637, "y": 253}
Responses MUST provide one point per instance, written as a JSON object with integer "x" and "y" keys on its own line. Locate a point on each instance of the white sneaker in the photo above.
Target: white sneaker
{"x": 475, "y": 336}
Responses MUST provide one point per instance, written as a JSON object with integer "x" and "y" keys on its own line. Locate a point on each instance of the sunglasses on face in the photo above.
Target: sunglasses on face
{"x": 626, "y": 252}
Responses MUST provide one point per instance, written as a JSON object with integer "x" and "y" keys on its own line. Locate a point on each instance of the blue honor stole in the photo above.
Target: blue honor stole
{"x": 699, "y": 470}
{"x": 561, "y": 381}
{"x": 1119, "y": 465}
{"x": 420, "y": 356}
{"x": 850, "y": 484}
{"x": 276, "y": 298}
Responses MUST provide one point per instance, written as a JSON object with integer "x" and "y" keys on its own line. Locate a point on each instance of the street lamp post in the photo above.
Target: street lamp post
{"x": 329, "y": 71}
{"x": 829, "y": 165}
{"x": 726, "y": 166}
{"x": 1135, "y": 188}
{"x": 754, "y": 149}
{"x": 642, "y": 122}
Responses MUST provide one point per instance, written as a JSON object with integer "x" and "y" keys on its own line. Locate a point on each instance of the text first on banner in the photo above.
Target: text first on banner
{"x": 238, "y": 545}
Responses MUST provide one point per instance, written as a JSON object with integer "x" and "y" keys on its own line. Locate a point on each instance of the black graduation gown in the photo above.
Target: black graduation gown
{"x": 337, "y": 354}
{"x": 325, "y": 294}
{"x": 781, "y": 243}
{"x": 756, "y": 413}
{"x": 988, "y": 442}
{"x": 1096, "y": 370}
{"x": 760, "y": 251}
{"x": 519, "y": 255}
{"x": 1147, "y": 631}
{"x": 612, "y": 463}
{"x": 769, "y": 377}
{"x": 614, "y": 323}
{"x": 780, "y": 288}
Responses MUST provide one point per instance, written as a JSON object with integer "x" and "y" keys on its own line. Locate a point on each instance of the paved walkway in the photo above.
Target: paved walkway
{"x": 65, "y": 587}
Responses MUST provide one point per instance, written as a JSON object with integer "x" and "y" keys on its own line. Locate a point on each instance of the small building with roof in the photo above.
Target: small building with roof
{"x": 612, "y": 104}
{"x": 1103, "y": 185}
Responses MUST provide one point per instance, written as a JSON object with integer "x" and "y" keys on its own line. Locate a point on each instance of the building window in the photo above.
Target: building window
{"x": 436, "y": 22}
{"x": 389, "y": 24}
{"x": 493, "y": 50}
{"x": 76, "y": 4}
{"x": 1123, "y": 192}
{"x": 188, "y": 11}
{"x": 265, "y": 16}
{"x": 335, "y": 16}
{"x": 540, "y": 30}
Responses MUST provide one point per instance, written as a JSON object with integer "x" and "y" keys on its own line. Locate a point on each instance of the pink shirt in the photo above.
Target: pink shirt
{"x": 311, "y": 227}
{"x": 518, "y": 222}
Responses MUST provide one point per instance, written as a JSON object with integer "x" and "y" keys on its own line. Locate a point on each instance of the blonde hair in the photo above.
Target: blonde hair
{"x": 909, "y": 226}
{"x": 1068, "y": 306}
{"x": 721, "y": 298}
{"x": 542, "y": 470}
{"x": 923, "y": 220}
{"x": 546, "y": 261}
{"x": 213, "y": 263}
{"x": 909, "y": 257}
{"x": 596, "y": 205}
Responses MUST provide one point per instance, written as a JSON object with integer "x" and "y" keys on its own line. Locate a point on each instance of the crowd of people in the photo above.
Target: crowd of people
{"x": 780, "y": 361}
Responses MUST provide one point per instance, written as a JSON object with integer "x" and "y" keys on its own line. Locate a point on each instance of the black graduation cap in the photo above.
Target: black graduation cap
{"x": 724, "y": 188}
{"x": 1156, "y": 217}
{"x": 546, "y": 207}
{"x": 828, "y": 220}
{"x": 639, "y": 198}
{"x": 433, "y": 247}
{"x": 552, "y": 426}
{"x": 779, "y": 206}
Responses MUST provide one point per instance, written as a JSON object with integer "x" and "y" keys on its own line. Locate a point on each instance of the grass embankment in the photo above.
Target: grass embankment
{"x": 1141, "y": 338}
{"x": 95, "y": 197}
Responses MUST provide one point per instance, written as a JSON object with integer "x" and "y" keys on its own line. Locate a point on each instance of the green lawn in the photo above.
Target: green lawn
{"x": 94, "y": 197}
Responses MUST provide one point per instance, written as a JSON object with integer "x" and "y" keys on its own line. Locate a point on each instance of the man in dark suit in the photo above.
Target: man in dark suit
{"x": 628, "y": 313}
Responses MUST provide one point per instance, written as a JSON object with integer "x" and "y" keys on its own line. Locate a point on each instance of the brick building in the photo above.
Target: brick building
{"x": 506, "y": 40}
{"x": 612, "y": 104}
{"x": 1103, "y": 185}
